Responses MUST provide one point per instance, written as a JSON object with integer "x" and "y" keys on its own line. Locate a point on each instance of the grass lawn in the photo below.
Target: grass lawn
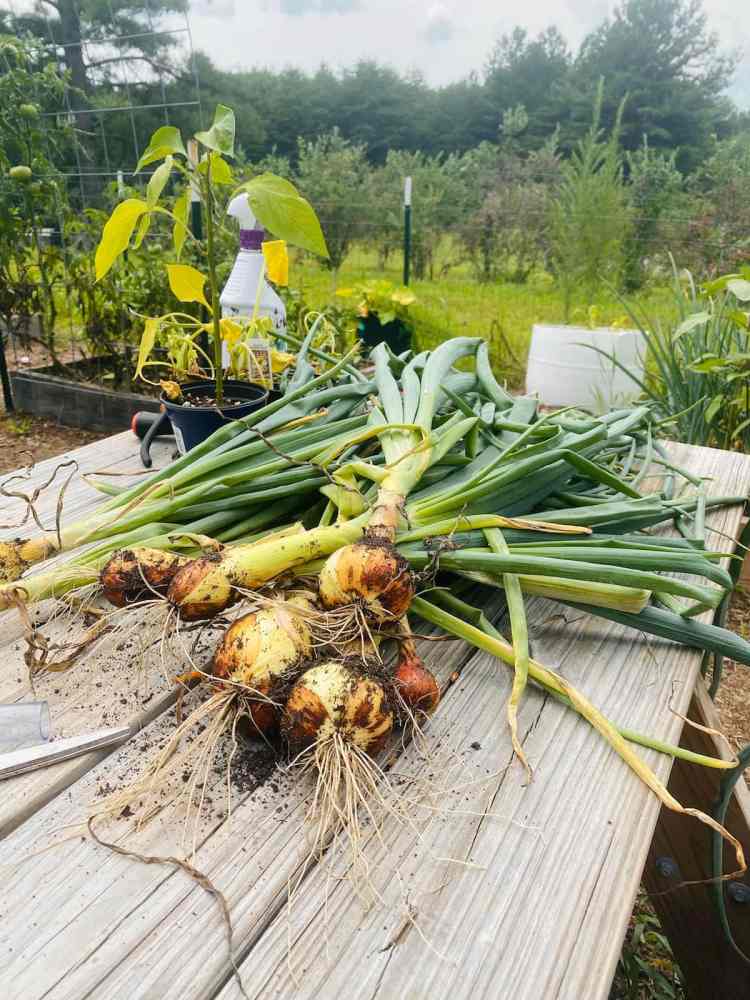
{"x": 455, "y": 304}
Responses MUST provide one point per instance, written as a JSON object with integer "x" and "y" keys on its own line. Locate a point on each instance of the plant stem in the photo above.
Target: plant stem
{"x": 214, "y": 286}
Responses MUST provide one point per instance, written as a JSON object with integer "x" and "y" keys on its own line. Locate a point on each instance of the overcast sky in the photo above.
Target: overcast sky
{"x": 445, "y": 39}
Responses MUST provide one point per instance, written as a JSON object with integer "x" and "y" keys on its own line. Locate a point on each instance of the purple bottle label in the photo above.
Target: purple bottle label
{"x": 251, "y": 239}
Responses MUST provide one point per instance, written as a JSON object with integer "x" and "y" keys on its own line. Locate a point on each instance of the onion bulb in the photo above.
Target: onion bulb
{"x": 260, "y": 651}
{"x": 417, "y": 686}
{"x": 335, "y": 699}
{"x": 369, "y": 573}
{"x": 132, "y": 575}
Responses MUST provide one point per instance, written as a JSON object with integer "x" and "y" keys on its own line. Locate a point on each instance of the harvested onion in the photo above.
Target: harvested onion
{"x": 371, "y": 574}
{"x": 334, "y": 699}
{"x": 416, "y": 685}
{"x": 260, "y": 651}
{"x": 131, "y": 575}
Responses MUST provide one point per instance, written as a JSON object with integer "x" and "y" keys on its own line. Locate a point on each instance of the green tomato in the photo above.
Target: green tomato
{"x": 9, "y": 52}
{"x": 20, "y": 173}
{"x": 28, "y": 111}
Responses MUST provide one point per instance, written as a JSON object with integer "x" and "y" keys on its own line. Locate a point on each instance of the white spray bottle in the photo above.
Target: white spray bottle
{"x": 246, "y": 292}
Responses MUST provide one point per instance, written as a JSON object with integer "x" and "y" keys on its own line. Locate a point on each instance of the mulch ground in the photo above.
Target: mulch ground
{"x": 25, "y": 440}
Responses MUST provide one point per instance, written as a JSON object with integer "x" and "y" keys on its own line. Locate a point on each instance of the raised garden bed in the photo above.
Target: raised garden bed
{"x": 43, "y": 393}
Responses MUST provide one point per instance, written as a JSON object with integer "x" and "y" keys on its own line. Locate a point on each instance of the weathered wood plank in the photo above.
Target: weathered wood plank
{"x": 537, "y": 921}
{"x": 543, "y": 915}
{"x": 133, "y": 696}
{"x": 100, "y": 909}
{"x": 117, "y": 453}
{"x": 711, "y": 967}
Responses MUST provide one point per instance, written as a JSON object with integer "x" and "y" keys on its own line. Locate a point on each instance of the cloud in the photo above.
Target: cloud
{"x": 440, "y": 26}
{"x": 213, "y": 8}
{"x": 298, "y": 8}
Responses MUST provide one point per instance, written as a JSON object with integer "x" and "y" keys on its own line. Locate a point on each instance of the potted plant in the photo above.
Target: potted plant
{"x": 382, "y": 311}
{"x": 197, "y": 394}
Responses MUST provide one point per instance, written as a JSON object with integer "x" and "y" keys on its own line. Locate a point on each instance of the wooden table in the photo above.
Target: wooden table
{"x": 499, "y": 890}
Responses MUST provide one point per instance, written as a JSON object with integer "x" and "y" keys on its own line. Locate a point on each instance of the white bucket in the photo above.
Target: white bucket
{"x": 563, "y": 370}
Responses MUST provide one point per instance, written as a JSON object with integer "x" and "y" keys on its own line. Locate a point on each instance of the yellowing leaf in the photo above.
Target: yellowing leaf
{"x": 277, "y": 261}
{"x": 221, "y": 134}
{"x": 158, "y": 179}
{"x": 164, "y": 141}
{"x": 116, "y": 234}
{"x": 180, "y": 211}
{"x": 170, "y": 389}
{"x": 403, "y": 297}
{"x": 221, "y": 172}
{"x": 148, "y": 339}
{"x": 143, "y": 227}
{"x": 282, "y": 210}
{"x": 230, "y": 331}
{"x": 187, "y": 283}
{"x": 281, "y": 360}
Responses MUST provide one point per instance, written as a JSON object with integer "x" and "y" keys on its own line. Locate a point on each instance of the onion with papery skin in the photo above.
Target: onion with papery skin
{"x": 260, "y": 651}
{"x": 199, "y": 590}
{"x": 369, "y": 573}
{"x": 132, "y": 575}
{"x": 417, "y": 686}
{"x": 337, "y": 699}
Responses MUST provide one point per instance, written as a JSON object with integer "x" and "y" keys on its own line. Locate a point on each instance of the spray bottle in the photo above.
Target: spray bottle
{"x": 247, "y": 294}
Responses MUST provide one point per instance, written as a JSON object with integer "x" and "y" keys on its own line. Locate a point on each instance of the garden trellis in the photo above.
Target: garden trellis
{"x": 106, "y": 130}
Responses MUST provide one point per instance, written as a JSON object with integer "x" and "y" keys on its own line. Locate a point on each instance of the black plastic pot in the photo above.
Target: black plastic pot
{"x": 372, "y": 332}
{"x": 193, "y": 424}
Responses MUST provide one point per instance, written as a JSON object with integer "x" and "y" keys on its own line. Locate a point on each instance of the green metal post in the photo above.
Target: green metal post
{"x": 4, "y": 377}
{"x": 407, "y": 229}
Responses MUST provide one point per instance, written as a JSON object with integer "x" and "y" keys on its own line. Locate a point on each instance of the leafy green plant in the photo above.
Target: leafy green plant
{"x": 32, "y": 194}
{"x": 698, "y": 375}
{"x": 590, "y": 218}
{"x": 334, "y": 174}
{"x": 381, "y": 298}
{"x": 275, "y": 202}
{"x": 646, "y": 969}
{"x": 594, "y": 317}
{"x": 655, "y": 186}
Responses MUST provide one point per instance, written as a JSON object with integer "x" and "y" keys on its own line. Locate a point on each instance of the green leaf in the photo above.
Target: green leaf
{"x": 221, "y": 134}
{"x": 180, "y": 210}
{"x": 740, "y": 288}
{"x": 280, "y": 208}
{"x": 158, "y": 180}
{"x": 740, "y": 428}
{"x": 708, "y": 363}
{"x": 690, "y": 323}
{"x": 148, "y": 339}
{"x": 143, "y": 227}
{"x": 742, "y": 319}
{"x": 221, "y": 172}
{"x": 116, "y": 234}
{"x": 718, "y": 284}
{"x": 713, "y": 408}
{"x": 187, "y": 283}
{"x": 164, "y": 141}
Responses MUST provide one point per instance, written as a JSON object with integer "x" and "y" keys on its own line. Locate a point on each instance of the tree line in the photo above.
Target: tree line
{"x": 658, "y": 55}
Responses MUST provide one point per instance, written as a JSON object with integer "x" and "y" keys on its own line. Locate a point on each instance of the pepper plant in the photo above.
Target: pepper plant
{"x": 275, "y": 202}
